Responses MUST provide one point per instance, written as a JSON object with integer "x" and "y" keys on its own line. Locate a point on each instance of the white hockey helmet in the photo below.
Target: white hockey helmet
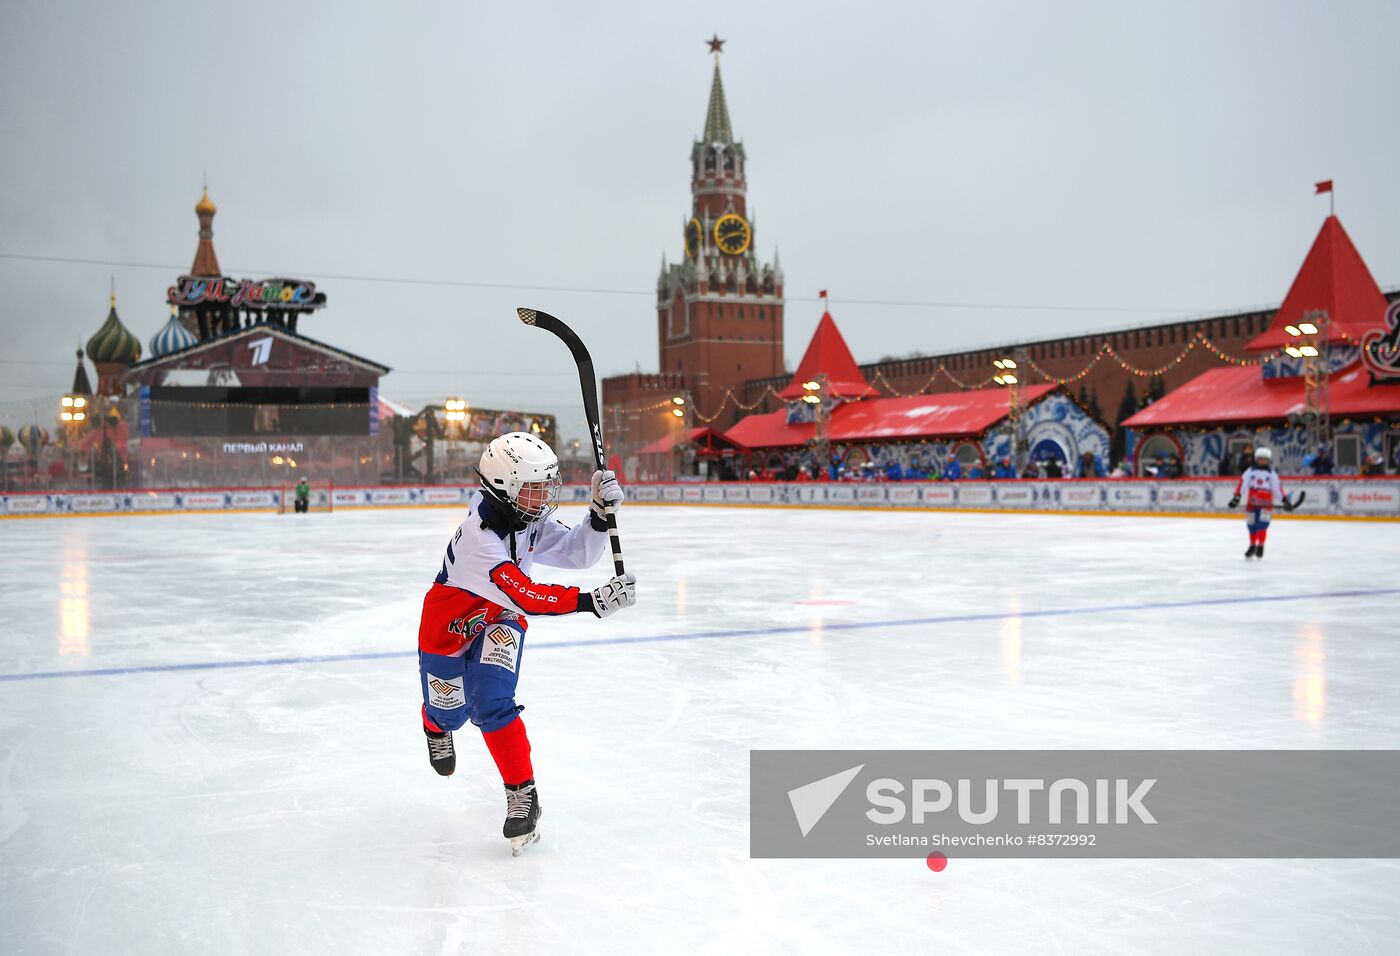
{"x": 1263, "y": 453}
{"x": 521, "y": 472}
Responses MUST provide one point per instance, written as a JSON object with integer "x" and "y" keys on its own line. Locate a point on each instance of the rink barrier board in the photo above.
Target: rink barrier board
{"x": 1218, "y": 515}
{"x": 1222, "y": 515}
{"x": 1343, "y": 498}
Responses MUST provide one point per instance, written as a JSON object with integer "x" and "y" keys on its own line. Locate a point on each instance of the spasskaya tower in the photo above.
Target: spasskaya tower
{"x": 719, "y": 308}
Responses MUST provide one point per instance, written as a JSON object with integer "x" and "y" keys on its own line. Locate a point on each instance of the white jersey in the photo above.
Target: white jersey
{"x": 497, "y": 567}
{"x": 1261, "y": 488}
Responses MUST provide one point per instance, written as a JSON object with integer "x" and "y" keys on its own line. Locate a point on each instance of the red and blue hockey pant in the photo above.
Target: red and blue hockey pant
{"x": 468, "y": 668}
{"x": 1257, "y": 521}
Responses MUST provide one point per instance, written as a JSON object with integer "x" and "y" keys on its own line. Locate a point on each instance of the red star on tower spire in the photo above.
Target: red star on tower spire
{"x": 716, "y": 43}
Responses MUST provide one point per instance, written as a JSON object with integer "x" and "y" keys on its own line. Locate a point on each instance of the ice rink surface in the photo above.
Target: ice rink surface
{"x": 279, "y": 799}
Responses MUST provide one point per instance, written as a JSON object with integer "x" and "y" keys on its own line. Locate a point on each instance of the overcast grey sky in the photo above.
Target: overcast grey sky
{"x": 1067, "y": 157}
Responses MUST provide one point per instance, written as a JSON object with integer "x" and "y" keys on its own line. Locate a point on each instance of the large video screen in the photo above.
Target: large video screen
{"x": 178, "y": 411}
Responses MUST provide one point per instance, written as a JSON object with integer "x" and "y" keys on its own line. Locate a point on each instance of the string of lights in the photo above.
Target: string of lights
{"x": 728, "y": 396}
{"x": 1105, "y": 350}
{"x": 1199, "y": 338}
{"x": 1230, "y": 359}
{"x": 939, "y": 370}
{"x": 655, "y": 406}
{"x": 959, "y": 382}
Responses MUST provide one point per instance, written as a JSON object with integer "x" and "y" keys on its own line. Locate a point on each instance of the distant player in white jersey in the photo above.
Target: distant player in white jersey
{"x": 1263, "y": 492}
{"x": 471, "y": 639}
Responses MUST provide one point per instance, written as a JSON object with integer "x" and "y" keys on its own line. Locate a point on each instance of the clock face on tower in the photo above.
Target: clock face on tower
{"x": 693, "y": 233}
{"x": 733, "y": 234}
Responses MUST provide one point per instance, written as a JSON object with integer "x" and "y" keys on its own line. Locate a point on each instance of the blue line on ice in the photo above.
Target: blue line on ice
{"x": 720, "y": 635}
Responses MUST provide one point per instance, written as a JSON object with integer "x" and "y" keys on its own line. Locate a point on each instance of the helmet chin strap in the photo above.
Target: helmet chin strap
{"x": 503, "y": 510}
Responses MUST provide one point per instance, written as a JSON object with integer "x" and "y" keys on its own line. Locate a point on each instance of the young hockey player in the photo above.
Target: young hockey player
{"x": 472, "y": 634}
{"x": 1263, "y": 490}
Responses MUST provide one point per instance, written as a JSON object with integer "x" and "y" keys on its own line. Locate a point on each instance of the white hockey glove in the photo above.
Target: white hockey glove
{"x": 618, "y": 593}
{"x": 607, "y": 494}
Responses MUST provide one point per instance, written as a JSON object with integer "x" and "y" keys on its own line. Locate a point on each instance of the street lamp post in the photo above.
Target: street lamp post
{"x": 680, "y": 412}
{"x": 1008, "y": 378}
{"x": 455, "y": 414}
{"x": 432, "y": 432}
{"x": 107, "y": 452}
{"x": 821, "y": 445}
{"x": 72, "y": 412}
{"x": 1308, "y": 341}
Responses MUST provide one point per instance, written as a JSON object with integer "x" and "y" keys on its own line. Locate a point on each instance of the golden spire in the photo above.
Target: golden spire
{"x": 205, "y": 206}
{"x": 205, "y": 262}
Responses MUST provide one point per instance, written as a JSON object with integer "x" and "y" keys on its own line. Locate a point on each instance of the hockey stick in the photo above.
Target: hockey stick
{"x": 1302, "y": 496}
{"x": 589, "y": 383}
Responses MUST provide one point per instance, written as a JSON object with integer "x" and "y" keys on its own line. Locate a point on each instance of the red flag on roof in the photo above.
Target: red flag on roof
{"x": 1324, "y": 187}
{"x": 822, "y": 294}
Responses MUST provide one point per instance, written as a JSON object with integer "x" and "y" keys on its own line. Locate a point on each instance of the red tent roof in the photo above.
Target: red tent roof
{"x": 1333, "y": 277}
{"x": 771, "y": 430}
{"x": 827, "y": 354}
{"x": 708, "y": 439}
{"x": 943, "y": 415}
{"x": 1243, "y": 395}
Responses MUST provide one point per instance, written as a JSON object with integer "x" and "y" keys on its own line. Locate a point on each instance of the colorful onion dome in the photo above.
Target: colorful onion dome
{"x": 32, "y": 437}
{"x": 7, "y": 438}
{"x": 205, "y": 206}
{"x": 172, "y": 337}
{"x": 114, "y": 342}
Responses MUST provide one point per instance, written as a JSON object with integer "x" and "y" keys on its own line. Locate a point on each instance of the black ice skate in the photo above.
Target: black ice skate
{"x": 522, "y": 816}
{"x": 1253, "y": 550}
{"x": 440, "y": 752}
{"x": 1258, "y": 550}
